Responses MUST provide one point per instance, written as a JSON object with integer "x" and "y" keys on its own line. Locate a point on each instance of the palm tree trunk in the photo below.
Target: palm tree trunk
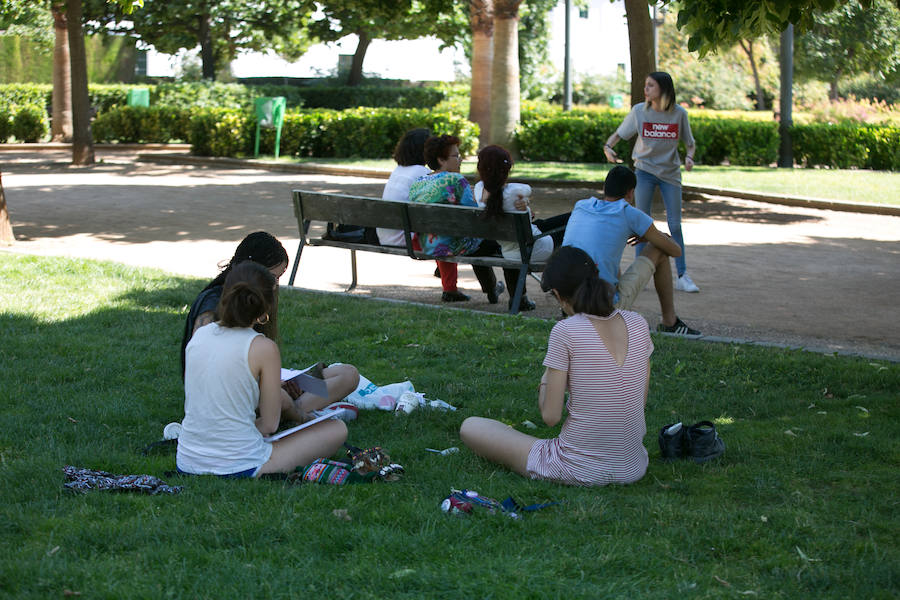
{"x": 481, "y": 18}
{"x": 640, "y": 42}
{"x": 505, "y": 92}
{"x": 61, "y": 124}
{"x": 6, "y": 230}
{"x": 82, "y": 141}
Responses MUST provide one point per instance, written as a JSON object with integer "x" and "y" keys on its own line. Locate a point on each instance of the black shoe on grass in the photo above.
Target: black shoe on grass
{"x": 703, "y": 443}
{"x": 672, "y": 442}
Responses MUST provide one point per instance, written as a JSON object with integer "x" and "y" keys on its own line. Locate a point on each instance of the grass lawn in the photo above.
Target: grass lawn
{"x": 802, "y": 505}
{"x": 878, "y": 187}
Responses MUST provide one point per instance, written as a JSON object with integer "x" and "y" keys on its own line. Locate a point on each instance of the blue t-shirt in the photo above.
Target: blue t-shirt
{"x": 602, "y": 228}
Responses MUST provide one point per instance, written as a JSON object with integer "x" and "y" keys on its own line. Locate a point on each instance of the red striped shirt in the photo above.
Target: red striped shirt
{"x": 601, "y": 440}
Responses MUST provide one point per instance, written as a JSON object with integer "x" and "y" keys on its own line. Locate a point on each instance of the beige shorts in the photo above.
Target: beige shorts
{"x": 633, "y": 281}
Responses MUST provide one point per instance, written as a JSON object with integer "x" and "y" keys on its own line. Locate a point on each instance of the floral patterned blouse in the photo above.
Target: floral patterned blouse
{"x": 444, "y": 187}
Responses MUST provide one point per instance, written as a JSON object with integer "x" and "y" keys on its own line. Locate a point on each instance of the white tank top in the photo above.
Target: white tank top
{"x": 219, "y": 435}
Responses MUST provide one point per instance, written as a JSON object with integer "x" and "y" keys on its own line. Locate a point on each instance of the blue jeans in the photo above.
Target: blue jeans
{"x": 671, "y": 195}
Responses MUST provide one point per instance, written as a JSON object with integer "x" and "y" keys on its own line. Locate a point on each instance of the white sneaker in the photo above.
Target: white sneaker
{"x": 686, "y": 284}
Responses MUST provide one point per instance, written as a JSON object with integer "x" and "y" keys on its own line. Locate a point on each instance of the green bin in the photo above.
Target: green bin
{"x": 270, "y": 115}
{"x": 616, "y": 100}
{"x": 138, "y": 97}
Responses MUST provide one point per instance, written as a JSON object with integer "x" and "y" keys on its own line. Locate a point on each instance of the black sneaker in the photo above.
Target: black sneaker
{"x": 679, "y": 328}
{"x": 703, "y": 443}
{"x": 454, "y": 297}
{"x": 494, "y": 295}
{"x": 672, "y": 441}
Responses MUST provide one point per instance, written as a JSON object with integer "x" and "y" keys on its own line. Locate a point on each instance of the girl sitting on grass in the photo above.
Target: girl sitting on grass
{"x": 231, "y": 371}
{"x": 602, "y": 356}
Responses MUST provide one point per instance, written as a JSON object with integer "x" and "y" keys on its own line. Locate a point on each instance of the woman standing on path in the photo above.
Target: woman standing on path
{"x": 660, "y": 123}
{"x": 602, "y": 356}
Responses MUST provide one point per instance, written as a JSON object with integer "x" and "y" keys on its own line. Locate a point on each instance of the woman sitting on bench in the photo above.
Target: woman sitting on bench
{"x": 447, "y": 186}
{"x": 264, "y": 249}
{"x": 496, "y": 196}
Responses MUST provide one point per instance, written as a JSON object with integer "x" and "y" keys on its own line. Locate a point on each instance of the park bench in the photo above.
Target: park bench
{"x": 440, "y": 219}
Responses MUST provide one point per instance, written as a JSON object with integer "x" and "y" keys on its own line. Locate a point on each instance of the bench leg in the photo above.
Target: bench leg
{"x": 296, "y": 263}
{"x": 352, "y": 270}
{"x": 520, "y": 290}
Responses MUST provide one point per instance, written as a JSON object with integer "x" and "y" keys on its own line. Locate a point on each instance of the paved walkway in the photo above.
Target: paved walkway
{"x": 819, "y": 279}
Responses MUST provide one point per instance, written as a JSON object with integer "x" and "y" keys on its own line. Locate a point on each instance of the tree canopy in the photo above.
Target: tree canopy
{"x": 220, "y": 29}
{"x": 850, "y": 40}
{"x": 713, "y": 24}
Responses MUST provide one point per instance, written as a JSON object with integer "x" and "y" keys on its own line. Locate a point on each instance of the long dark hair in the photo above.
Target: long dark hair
{"x": 494, "y": 164}
{"x": 574, "y": 276}
{"x": 666, "y": 89}
{"x": 410, "y": 150}
{"x": 260, "y": 247}
{"x": 249, "y": 295}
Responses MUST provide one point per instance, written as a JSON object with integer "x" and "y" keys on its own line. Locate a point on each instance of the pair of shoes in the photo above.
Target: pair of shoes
{"x": 494, "y": 295}
{"x": 684, "y": 283}
{"x": 525, "y": 304}
{"x": 679, "y": 328}
{"x": 338, "y": 410}
{"x": 699, "y": 442}
{"x": 454, "y": 297}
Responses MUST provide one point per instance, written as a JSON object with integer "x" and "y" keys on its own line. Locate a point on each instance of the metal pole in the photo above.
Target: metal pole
{"x": 785, "y": 150}
{"x": 567, "y": 60}
{"x": 656, "y": 24}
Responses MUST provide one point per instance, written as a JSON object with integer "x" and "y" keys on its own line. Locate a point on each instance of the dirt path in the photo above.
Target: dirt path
{"x": 813, "y": 278}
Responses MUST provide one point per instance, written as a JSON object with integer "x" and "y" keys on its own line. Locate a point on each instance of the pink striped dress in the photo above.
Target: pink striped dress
{"x": 601, "y": 441}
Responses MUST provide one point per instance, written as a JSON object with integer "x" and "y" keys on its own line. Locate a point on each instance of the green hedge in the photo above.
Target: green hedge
{"x": 194, "y": 95}
{"x": 846, "y": 146}
{"x": 358, "y": 132}
{"x": 141, "y": 124}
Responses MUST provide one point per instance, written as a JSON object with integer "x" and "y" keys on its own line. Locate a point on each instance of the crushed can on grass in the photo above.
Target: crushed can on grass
{"x": 456, "y": 506}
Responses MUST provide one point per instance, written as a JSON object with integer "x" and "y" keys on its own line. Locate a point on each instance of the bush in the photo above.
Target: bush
{"x": 579, "y": 136}
{"x": 5, "y": 125}
{"x": 141, "y": 124}
{"x": 359, "y": 132}
{"x": 21, "y": 94}
{"x": 847, "y": 146}
{"x": 219, "y": 132}
{"x": 30, "y": 124}
{"x": 205, "y": 94}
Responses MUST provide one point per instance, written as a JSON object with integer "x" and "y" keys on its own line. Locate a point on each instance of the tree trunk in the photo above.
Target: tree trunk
{"x": 833, "y": 89}
{"x": 760, "y": 97}
{"x": 82, "y": 141}
{"x": 355, "y": 76}
{"x": 481, "y": 17}
{"x": 505, "y": 92}
{"x": 207, "y": 52}
{"x": 640, "y": 42}
{"x": 6, "y": 230}
{"x": 61, "y": 124}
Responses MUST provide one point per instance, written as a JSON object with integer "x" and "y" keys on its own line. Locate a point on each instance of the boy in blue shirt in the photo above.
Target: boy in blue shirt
{"x": 603, "y": 228}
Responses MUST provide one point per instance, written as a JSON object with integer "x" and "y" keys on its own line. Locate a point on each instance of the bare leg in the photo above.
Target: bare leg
{"x": 498, "y": 443}
{"x": 662, "y": 281}
{"x": 340, "y": 379}
{"x": 318, "y": 441}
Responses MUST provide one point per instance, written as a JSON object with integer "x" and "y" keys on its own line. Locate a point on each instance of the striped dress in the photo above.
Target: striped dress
{"x": 601, "y": 441}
